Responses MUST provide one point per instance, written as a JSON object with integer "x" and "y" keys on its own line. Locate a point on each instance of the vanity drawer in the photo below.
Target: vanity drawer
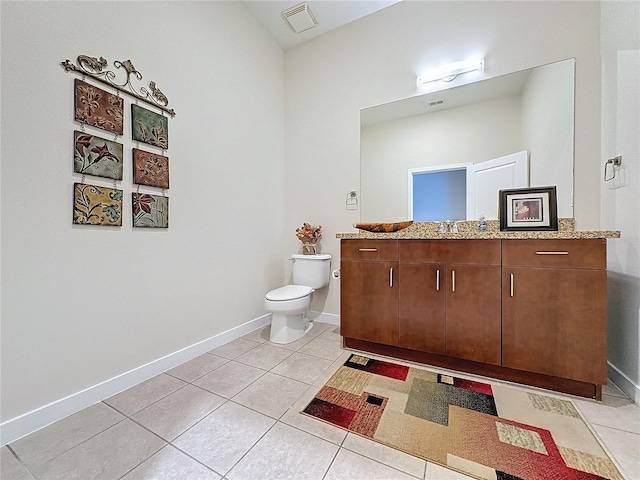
{"x": 589, "y": 253}
{"x": 369, "y": 250}
{"x": 469, "y": 252}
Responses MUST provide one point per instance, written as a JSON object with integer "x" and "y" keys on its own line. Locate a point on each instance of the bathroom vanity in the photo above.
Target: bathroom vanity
{"x": 528, "y": 307}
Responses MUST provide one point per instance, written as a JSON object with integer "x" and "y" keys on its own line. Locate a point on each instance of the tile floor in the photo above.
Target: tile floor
{"x": 233, "y": 413}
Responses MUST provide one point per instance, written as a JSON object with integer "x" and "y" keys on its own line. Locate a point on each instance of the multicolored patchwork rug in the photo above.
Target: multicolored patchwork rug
{"x": 485, "y": 431}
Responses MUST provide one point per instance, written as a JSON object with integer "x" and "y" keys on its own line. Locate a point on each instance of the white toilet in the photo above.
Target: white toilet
{"x": 288, "y": 305}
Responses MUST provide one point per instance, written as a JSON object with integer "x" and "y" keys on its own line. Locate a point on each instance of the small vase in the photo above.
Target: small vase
{"x": 309, "y": 246}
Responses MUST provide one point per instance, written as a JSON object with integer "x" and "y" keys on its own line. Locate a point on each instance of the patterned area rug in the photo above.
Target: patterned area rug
{"x": 484, "y": 431}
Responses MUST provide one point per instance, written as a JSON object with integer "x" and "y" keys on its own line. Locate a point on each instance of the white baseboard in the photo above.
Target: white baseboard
{"x": 15, "y": 428}
{"x": 330, "y": 318}
{"x": 624, "y": 383}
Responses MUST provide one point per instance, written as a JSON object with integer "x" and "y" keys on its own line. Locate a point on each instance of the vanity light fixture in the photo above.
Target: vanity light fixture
{"x": 450, "y": 71}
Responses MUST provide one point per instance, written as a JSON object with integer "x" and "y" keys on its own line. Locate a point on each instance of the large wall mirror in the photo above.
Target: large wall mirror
{"x": 530, "y": 111}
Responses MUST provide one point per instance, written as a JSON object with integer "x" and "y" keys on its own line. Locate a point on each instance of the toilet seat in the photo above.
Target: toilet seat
{"x": 288, "y": 292}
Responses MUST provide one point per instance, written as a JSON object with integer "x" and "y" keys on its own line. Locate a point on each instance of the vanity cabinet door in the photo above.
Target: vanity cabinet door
{"x": 421, "y": 316}
{"x": 473, "y": 313}
{"x": 554, "y": 322}
{"x": 369, "y": 301}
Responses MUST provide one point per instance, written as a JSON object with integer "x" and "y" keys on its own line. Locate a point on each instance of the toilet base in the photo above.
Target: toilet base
{"x": 289, "y": 328}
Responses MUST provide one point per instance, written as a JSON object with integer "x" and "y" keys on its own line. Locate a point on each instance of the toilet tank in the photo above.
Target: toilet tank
{"x": 311, "y": 270}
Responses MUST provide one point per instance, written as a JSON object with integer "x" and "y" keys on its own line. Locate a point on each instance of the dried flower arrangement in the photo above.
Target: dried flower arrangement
{"x": 309, "y": 231}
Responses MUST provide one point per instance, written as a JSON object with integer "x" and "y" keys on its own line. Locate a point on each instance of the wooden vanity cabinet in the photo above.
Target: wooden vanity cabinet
{"x": 369, "y": 290}
{"x": 529, "y": 311}
{"x": 421, "y": 310}
{"x": 554, "y": 308}
{"x": 449, "y": 298}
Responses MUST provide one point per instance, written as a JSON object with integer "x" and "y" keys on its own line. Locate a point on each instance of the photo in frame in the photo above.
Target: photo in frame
{"x": 150, "y": 169}
{"x": 98, "y": 108}
{"x": 149, "y": 127}
{"x": 94, "y": 205}
{"x": 150, "y": 211}
{"x": 97, "y": 156}
{"x": 529, "y": 209}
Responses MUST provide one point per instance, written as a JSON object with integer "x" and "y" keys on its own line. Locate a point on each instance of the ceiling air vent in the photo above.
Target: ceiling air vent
{"x": 300, "y": 18}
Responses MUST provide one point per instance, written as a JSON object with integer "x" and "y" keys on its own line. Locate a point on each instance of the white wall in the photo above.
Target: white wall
{"x": 82, "y": 305}
{"x": 621, "y": 196}
{"x": 376, "y": 60}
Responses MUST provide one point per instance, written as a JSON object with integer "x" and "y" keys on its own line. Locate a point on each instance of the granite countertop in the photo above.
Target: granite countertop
{"x": 469, "y": 230}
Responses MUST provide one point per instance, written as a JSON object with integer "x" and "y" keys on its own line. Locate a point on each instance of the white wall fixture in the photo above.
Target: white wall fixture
{"x": 450, "y": 71}
{"x": 352, "y": 200}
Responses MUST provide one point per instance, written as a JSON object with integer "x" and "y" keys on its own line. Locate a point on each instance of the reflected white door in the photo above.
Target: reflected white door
{"x": 485, "y": 179}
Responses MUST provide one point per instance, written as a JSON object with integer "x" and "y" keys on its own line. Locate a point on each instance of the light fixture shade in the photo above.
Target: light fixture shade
{"x": 450, "y": 71}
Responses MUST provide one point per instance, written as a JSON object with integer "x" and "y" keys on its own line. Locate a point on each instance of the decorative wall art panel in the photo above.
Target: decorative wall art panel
{"x": 97, "y": 156}
{"x": 150, "y": 169}
{"x": 150, "y": 210}
{"x": 93, "y": 205}
{"x": 98, "y": 108}
{"x": 149, "y": 127}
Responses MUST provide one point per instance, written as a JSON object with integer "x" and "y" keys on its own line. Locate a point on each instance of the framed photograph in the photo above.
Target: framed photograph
{"x": 528, "y": 209}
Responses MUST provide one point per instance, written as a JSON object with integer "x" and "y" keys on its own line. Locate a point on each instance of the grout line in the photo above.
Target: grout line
{"x": 19, "y": 460}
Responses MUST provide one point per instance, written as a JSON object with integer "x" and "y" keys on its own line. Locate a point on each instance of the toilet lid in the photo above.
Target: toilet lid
{"x": 289, "y": 292}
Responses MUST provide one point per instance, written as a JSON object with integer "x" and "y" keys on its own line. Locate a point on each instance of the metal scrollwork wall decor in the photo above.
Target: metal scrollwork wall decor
{"x": 95, "y": 68}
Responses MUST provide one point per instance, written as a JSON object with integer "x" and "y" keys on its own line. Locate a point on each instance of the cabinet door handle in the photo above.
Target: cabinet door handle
{"x": 511, "y": 284}
{"x": 552, "y": 253}
{"x": 367, "y": 249}
{"x": 391, "y": 277}
{"x": 438, "y": 280}
{"x": 453, "y": 280}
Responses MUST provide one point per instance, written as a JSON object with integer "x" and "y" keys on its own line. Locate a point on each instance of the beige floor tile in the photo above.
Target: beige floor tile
{"x": 108, "y": 455}
{"x": 235, "y": 348}
{"x": 144, "y": 394}
{"x": 196, "y": 368}
{"x": 259, "y": 335}
{"x": 179, "y": 411}
{"x": 229, "y": 379}
{"x": 271, "y": 394}
{"x": 612, "y": 390}
{"x": 436, "y": 472}
{"x": 223, "y": 437}
{"x": 320, "y": 347}
{"x": 614, "y": 412}
{"x": 57, "y": 438}
{"x": 11, "y": 468}
{"x": 286, "y": 453}
{"x": 264, "y": 356}
{"x": 301, "y": 367}
{"x": 319, "y": 328}
{"x": 332, "y": 333}
{"x": 624, "y": 447}
{"x": 351, "y": 466}
{"x": 389, "y": 456}
{"x": 171, "y": 464}
{"x": 295, "y": 345}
